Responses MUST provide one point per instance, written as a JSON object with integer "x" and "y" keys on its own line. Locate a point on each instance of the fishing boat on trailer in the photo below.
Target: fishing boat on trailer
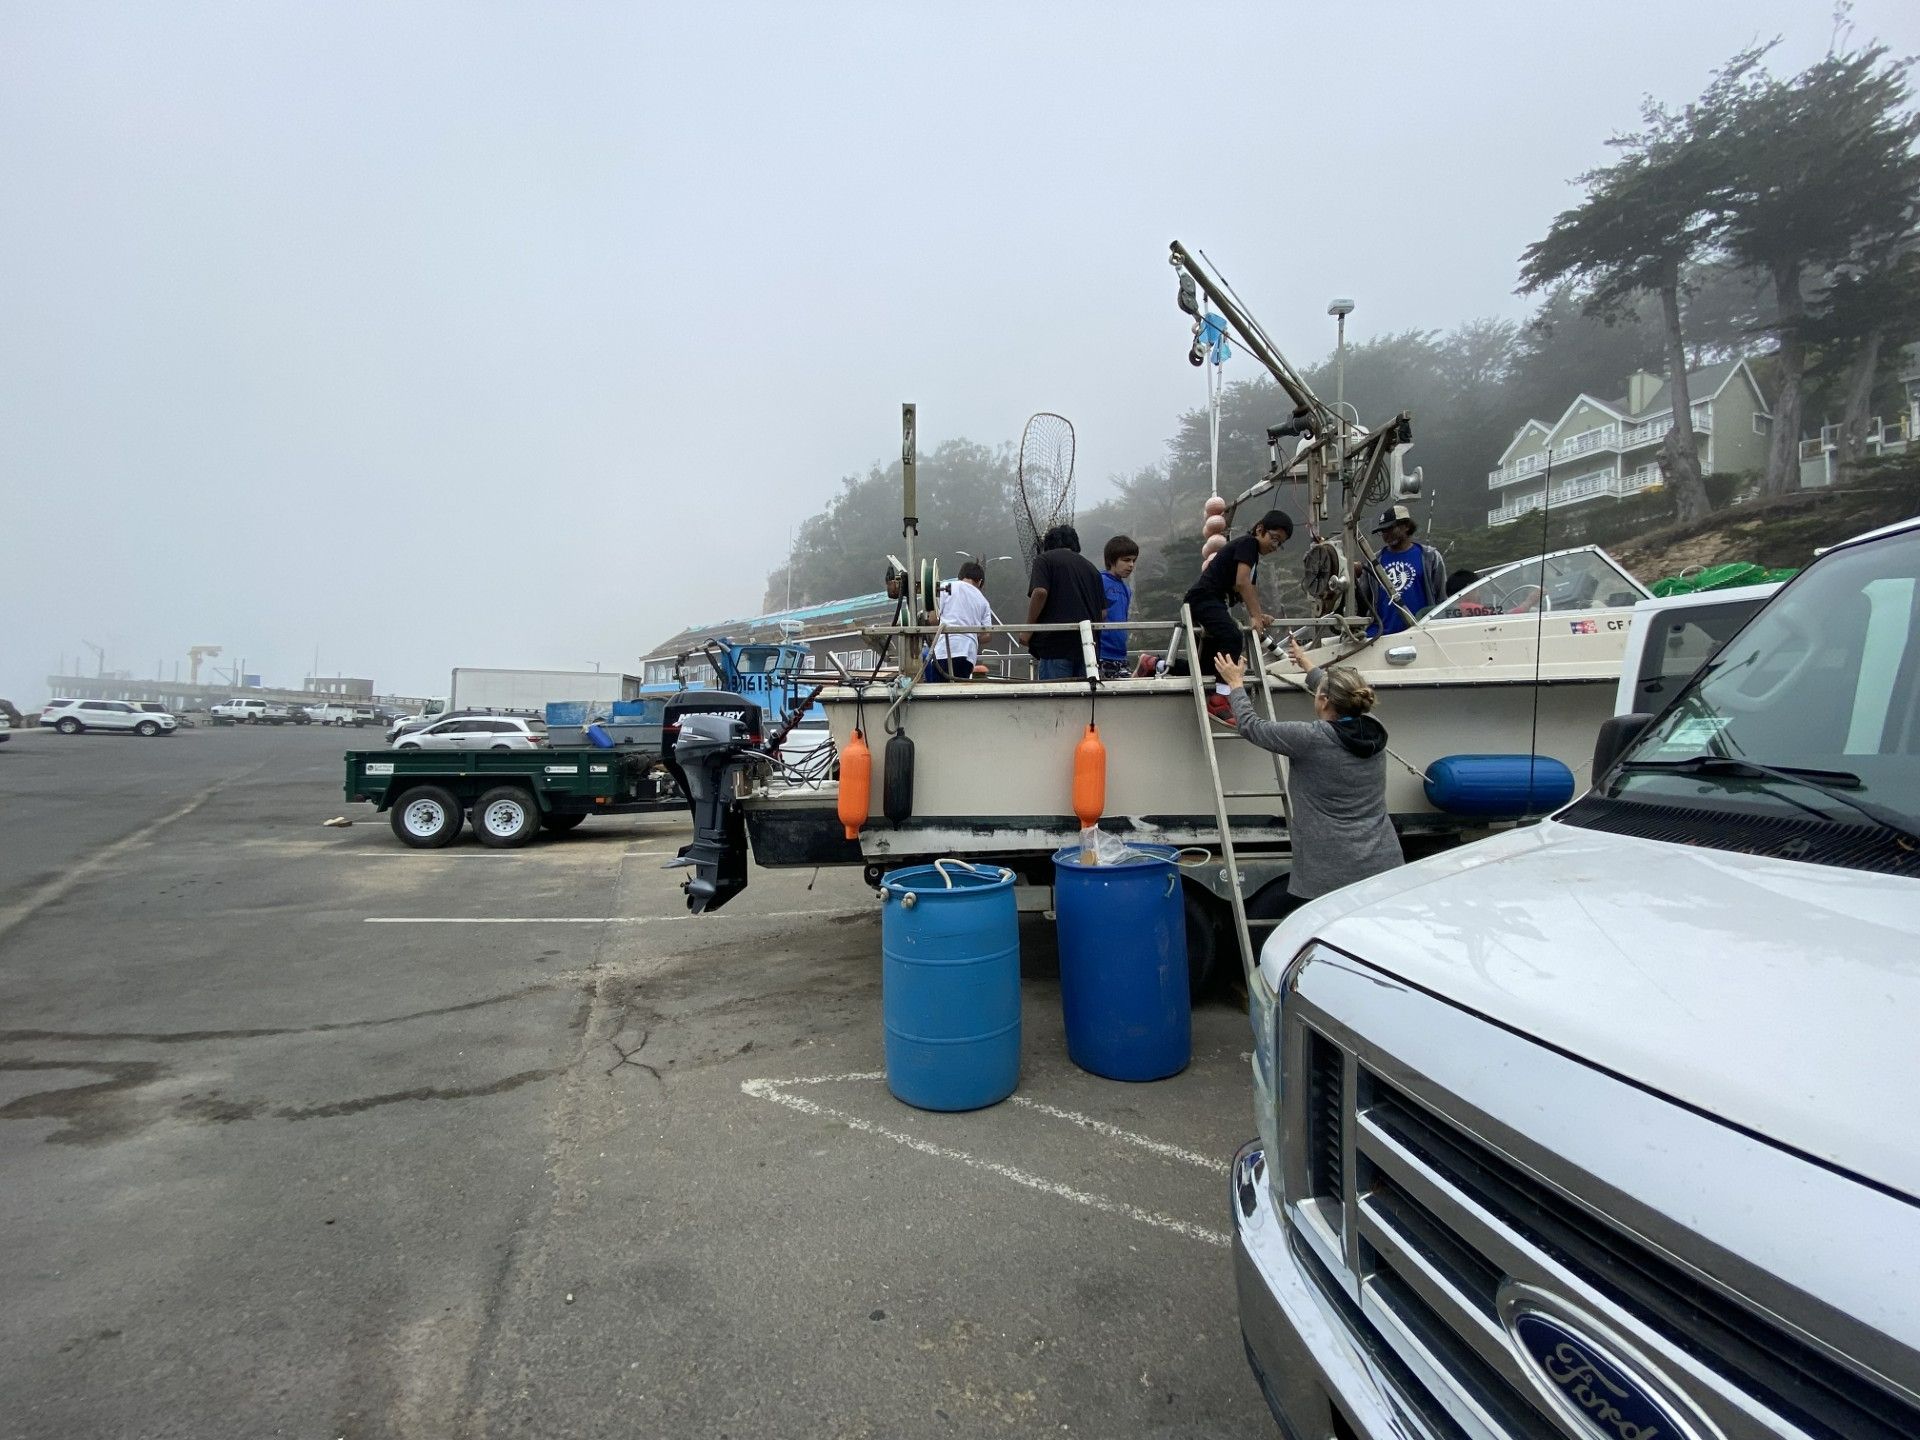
{"x": 1492, "y": 699}
{"x": 993, "y": 773}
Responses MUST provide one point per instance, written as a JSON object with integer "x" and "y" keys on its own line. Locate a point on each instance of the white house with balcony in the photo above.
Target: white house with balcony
{"x": 1820, "y": 454}
{"x": 1611, "y": 447}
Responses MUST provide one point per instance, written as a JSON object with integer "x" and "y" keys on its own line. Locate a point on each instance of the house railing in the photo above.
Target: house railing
{"x": 1603, "y": 482}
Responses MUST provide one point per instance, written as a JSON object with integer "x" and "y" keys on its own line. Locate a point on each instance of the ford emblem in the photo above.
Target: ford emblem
{"x": 1578, "y": 1371}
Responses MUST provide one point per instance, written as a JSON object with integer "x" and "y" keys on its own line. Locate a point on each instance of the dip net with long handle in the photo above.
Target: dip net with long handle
{"x": 1045, "y": 480}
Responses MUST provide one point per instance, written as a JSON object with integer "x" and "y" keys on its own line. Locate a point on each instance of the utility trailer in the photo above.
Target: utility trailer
{"x": 510, "y": 795}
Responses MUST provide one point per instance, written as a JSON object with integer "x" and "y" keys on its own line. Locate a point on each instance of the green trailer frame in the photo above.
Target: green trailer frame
{"x": 511, "y": 795}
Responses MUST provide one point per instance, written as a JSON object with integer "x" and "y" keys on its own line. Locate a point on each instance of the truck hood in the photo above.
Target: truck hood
{"x": 1773, "y": 995}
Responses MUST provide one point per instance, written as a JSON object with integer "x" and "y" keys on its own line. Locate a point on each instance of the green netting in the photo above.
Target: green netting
{"x": 1718, "y": 577}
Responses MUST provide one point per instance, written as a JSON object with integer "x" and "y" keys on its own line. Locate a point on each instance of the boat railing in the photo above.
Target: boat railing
{"x": 1014, "y": 661}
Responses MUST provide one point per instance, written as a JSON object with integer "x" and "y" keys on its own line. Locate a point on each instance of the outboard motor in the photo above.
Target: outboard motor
{"x": 707, "y": 738}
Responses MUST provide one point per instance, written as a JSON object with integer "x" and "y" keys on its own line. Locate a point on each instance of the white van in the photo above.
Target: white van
{"x": 1606, "y": 1126}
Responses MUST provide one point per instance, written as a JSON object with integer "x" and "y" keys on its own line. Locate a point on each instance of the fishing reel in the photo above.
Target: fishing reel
{"x": 1324, "y": 572}
{"x": 926, "y": 598}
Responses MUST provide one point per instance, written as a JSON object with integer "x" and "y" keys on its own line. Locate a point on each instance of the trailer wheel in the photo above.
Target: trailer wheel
{"x": 560, "y": 824}
{"x": 505, "y": 817}
{"x": 426, "y": 817}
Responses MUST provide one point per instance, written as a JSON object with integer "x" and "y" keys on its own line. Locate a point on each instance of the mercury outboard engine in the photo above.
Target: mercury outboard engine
{"x": 707, "y": 737}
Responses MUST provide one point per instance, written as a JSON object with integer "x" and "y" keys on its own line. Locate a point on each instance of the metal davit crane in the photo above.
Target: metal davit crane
{"x": 195, "y": 655}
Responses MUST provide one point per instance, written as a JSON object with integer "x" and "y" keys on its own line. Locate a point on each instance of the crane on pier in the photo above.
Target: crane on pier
{"x": 195, "y": 654}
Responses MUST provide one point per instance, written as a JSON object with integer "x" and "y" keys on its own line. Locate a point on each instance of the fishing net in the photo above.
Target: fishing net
{"x": 1045, "y": 480}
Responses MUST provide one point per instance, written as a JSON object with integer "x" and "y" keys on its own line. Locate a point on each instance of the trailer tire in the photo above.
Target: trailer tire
{"x": 506, "y": 817}
{"x": 427, "y": 817}
{"x": 560, "y": 824}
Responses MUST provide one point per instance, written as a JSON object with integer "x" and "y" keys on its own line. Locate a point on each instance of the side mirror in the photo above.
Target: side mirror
{"x": 1617, "y": 733}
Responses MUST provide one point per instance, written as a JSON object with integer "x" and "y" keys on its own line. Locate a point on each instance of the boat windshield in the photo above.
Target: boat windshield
{"x": 1813, "y": 706}
{"x": 1570, "y": 580}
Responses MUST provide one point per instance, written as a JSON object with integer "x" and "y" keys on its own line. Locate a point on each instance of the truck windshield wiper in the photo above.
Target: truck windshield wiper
{"x": 1831, "y": 783}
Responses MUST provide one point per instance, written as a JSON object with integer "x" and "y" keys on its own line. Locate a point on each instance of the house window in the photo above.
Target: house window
{"x": 1762, "y": 424}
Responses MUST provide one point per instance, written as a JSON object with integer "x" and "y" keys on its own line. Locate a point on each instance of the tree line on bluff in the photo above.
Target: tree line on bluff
{"x": 1774, "y": 216}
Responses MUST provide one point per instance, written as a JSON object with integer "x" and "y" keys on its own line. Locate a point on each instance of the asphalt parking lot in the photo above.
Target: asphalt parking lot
{"x": 305, "y": 1133}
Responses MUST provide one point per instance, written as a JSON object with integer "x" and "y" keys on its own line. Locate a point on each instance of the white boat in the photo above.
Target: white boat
{"x": 1492, "y": 671}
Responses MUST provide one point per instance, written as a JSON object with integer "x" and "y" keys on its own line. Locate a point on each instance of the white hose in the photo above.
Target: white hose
{"x": 941, "y": 866}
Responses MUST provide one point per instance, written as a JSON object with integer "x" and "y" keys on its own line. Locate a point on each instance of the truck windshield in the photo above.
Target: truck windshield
{"x": 1814, "y": 707}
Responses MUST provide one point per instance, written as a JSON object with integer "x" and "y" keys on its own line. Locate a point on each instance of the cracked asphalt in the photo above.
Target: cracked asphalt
{"x": 605, "y": 1170}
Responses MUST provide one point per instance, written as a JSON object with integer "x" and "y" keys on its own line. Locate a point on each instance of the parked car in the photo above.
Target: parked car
{"x": 70, "y": 717}
{"x": 477, "y": 732}
{"x": 1604, "y": 1126}
{"x": 413, "y": 724}
{"x": 6, "y": 729}
{"x": 354, "y": 715}
{"x": 252, "y": 712}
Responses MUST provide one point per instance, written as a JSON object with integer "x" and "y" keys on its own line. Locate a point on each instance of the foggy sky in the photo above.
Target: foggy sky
{"x": 468, "y": 334}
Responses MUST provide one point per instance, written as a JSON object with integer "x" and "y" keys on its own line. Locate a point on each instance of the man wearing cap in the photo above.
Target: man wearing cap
{"x": 1416, "y": 575}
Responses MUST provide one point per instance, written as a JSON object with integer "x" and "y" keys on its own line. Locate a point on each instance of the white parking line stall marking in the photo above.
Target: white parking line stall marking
{"x": 1210, "y": 1163}
{"x": 770, "y": 1090}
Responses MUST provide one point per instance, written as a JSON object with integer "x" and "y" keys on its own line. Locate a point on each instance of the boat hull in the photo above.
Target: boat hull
{"x": 994, "y": 761}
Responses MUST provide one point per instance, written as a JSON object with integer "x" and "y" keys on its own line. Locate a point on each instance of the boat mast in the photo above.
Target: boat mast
{"x": 1357, "y": 458}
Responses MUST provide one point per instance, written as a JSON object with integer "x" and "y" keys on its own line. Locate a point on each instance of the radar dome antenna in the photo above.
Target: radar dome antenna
{"x": 1045, "y": 480}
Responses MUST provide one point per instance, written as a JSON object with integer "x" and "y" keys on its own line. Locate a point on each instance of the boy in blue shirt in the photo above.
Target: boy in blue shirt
{"x": 1121, "y": 556}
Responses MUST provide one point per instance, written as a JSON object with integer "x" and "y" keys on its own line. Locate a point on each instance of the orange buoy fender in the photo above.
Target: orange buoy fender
{"x": 1089, "y": 778}
{"x": 856, "y": 784}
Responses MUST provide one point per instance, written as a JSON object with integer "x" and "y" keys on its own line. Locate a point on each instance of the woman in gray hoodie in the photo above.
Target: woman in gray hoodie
{"x": 1336, "y": 776}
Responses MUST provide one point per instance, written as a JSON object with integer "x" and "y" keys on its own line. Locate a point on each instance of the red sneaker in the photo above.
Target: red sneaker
{"x": 1220, "y": 708}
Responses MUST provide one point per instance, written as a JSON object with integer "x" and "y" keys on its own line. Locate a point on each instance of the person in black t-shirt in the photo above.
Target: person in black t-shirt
{"x": 1063, "y": 589}
{"x": 1230, "y": 578}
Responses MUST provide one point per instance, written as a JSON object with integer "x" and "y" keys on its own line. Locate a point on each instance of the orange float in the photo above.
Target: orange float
{"x": 1089, "y": 778}
{"x": 856, "y": 784}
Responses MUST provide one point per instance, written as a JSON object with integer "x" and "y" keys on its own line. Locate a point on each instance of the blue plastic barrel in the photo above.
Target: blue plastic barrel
{"x": 950, "y": 985}
{"x": 1123, "y": 964}
{"x": 1498, "y": 786}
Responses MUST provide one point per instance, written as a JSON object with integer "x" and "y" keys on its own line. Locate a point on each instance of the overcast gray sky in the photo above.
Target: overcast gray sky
{"x": 480, "y": 334}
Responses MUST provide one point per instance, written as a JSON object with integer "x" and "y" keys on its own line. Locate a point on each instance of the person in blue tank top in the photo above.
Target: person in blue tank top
{"x": 1121, "y": 556}
{"x": 1416, "y": 575}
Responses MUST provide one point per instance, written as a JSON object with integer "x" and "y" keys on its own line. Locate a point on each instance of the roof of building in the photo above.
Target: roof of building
{"x": 1702, "y": 384}
{"x": 833, "y": 614}
{"x": 1707, "y": 380}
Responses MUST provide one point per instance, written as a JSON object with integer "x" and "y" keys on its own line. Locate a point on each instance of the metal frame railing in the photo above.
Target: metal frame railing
{"x": 1350, "y": 627}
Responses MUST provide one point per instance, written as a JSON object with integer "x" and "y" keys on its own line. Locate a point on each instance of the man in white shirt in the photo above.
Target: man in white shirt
{"x": 963, "y": 606}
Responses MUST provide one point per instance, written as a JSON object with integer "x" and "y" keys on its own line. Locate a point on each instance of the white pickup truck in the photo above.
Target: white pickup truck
{"x": 1607, "y": 1127}
{"x": 251, "y": 712}
{"x": 358, "y": 716}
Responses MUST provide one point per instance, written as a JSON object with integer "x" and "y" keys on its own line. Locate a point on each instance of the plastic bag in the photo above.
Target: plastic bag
{"x": 1097, "y": 847}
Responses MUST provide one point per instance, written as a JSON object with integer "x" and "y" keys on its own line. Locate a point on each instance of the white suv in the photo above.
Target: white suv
{"x": 70, "y": 717}
{"x": 477, "y": 732}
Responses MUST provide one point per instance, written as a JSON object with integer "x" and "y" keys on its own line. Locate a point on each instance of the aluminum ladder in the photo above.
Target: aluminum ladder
{"x": 1211, "y": 735}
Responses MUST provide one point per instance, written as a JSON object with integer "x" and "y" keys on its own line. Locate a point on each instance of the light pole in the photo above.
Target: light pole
{"x": 1340, "y": 307}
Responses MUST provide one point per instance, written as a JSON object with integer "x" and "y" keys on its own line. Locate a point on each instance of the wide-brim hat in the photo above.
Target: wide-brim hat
{"x": 1395, "y": 515}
